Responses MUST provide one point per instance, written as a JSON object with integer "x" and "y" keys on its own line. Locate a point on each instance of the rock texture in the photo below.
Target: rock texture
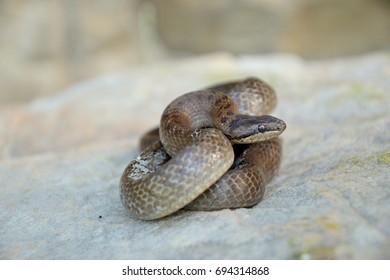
{"x": 62, "y": 157}
{"x": 307, "y": 27}
{"x": 47, "y": 45}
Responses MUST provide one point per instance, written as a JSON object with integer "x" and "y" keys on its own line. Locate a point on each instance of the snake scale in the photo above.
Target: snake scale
{"x": 190, "y": 161}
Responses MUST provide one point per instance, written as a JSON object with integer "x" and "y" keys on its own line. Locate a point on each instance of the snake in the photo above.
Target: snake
{"x": 216, "y": 148}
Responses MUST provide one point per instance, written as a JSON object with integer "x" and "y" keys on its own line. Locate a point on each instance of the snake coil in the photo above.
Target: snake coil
{"x": 190, "y": 161}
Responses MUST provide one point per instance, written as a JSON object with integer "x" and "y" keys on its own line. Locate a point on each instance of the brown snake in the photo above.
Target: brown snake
{"x": 193, "y": 165}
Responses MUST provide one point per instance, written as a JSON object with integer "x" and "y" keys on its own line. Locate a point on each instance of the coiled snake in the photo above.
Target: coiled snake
{"x": 193, "y": 165}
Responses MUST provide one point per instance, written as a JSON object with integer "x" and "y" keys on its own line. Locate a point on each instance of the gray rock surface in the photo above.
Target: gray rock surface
{"x": 61, "y": 159}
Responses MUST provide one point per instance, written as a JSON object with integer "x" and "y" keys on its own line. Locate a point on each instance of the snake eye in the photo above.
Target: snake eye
{"x": 261, "y": 128}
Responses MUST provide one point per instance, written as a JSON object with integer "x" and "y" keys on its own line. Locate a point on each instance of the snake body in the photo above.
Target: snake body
{"x": 189, "y": 167}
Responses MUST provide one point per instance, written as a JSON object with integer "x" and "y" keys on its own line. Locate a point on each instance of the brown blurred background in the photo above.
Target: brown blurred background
{"x": 47, "y": 45}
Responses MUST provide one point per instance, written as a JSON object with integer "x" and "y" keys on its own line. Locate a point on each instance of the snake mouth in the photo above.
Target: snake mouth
{"x": 256, "y": 129}
{"x": 279, "y": 126}
{"x": 255, "y": 138}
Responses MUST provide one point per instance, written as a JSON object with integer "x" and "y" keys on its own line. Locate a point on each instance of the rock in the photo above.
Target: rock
{"x": 62, "y": 158}
{"x": 309, "y": 28}
{"x": 46, "y": 45}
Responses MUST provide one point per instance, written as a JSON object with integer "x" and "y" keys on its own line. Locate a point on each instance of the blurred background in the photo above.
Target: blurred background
{"x": 47, "y": 45}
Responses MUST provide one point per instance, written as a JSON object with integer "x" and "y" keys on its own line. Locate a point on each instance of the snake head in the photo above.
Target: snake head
{"x": 251, "y": 129}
